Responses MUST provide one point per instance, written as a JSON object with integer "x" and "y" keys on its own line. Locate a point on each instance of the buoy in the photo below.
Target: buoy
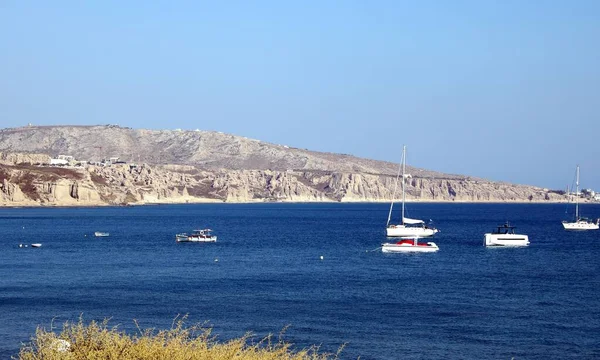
{"x": 20, "y": 245}
{"x": 321, "y": 257}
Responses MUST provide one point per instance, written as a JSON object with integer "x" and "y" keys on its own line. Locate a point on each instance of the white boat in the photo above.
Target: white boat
{"x": 36, "y": 245}
{"x": 409, "y": 245}
{"x": 580, "y": 223}
{"x": 203, "y": 235}
{"x": 505, "y": 236}
{"x": 408, "y": 227}
{"x": 101, "y": 234}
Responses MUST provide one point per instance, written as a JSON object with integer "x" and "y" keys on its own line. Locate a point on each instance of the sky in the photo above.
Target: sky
{"x": 503, "y": 90}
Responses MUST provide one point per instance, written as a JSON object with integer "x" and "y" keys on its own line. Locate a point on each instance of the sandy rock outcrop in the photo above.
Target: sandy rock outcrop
{"x": 21, "y": 158}
{"x": 11, "y": 193}
{"x": 29, "y": 186}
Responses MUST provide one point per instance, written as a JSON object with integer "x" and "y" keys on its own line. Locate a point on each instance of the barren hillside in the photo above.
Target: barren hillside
{"x": 206, "y": 149}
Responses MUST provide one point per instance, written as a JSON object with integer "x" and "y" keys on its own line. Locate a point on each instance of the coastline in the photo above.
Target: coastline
{"x": 214, "y": 201}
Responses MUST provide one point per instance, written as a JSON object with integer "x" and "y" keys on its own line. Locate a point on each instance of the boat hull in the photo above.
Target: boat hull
{"x": 197, "y": 240}
{"x": 408, "y": 231}
{"x": 505, "y": 240}
{"x": 580, "y": 225}
{"x": 409, "y": 248}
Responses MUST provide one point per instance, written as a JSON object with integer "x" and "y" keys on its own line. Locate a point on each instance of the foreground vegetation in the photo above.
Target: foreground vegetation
{"x": 99, "y": 341}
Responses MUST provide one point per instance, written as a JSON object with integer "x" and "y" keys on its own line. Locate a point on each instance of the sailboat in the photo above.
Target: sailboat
{"x": 410, "y": 230}
{"x": 580, "y": 223}
{"x": 408, "y": 227}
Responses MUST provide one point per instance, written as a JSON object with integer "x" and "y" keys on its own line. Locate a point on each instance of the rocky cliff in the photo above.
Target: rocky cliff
{"x": 19, "y": 158}
{"x": 26, "y": 185}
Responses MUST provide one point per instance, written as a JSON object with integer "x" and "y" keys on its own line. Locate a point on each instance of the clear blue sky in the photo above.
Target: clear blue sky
{"x": 505, "y": 90}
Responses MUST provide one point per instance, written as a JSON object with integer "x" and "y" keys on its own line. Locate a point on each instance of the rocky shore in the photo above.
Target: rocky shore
{"x": 25, "y": 184}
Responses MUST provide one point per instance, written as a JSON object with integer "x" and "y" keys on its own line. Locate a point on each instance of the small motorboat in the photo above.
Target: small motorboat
{"x": 101, "y": 234}
{"x": 505, "y": 236}
{"x": 409, "y": 245}
{"x": 203, "y": 235}
{"x": 36, "y": 245}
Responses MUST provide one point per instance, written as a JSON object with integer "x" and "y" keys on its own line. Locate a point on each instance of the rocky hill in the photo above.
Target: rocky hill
{"x": 174, "y": 166}
{"x": 203, "y": 149}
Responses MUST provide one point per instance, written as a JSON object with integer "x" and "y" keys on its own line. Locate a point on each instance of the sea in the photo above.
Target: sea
{"x": 312, "y": 273}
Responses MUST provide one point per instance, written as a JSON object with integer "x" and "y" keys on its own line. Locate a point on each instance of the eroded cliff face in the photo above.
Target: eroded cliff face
{"x": 31, "y": 186}
{"x": 21, "y": 158}
{"x": 27, "y": 185}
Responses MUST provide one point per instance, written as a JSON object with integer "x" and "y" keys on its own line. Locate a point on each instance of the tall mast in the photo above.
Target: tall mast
{"x": 403, "y": 172}
{"x": 577, "y": 196}
{"x": 393, "y": 196}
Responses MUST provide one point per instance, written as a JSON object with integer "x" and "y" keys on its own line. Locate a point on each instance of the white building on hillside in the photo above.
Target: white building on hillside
{"x": 58, "y": 162}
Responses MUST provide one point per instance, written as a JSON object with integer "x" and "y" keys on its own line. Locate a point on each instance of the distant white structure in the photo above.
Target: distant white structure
{"x": 62, "y": 160}
{"x": 58, "y": 162}
{"x": 66, "y": 157}
{"x": 109, "y": 161}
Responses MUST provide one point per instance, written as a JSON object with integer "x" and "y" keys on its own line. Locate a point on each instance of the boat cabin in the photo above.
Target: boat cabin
{"x": 505, "y": 229}
{"x": 202, "y": 233}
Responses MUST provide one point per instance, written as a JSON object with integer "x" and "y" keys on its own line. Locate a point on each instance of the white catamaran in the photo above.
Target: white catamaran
{"x": 505, "y": 236}
{"x": 580, "y": 223}
{"x": 408, "y": 227}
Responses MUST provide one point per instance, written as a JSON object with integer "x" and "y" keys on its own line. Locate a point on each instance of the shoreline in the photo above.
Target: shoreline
{"x": 209, "y": 201}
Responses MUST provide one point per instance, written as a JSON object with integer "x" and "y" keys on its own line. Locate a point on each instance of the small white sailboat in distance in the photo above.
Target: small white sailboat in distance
{"x": 408, "y": 227}
{"x": 580, "y": 223}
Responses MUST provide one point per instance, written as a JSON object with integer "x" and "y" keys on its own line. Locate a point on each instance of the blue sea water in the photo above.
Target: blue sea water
{"x": 465, "y": 301}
